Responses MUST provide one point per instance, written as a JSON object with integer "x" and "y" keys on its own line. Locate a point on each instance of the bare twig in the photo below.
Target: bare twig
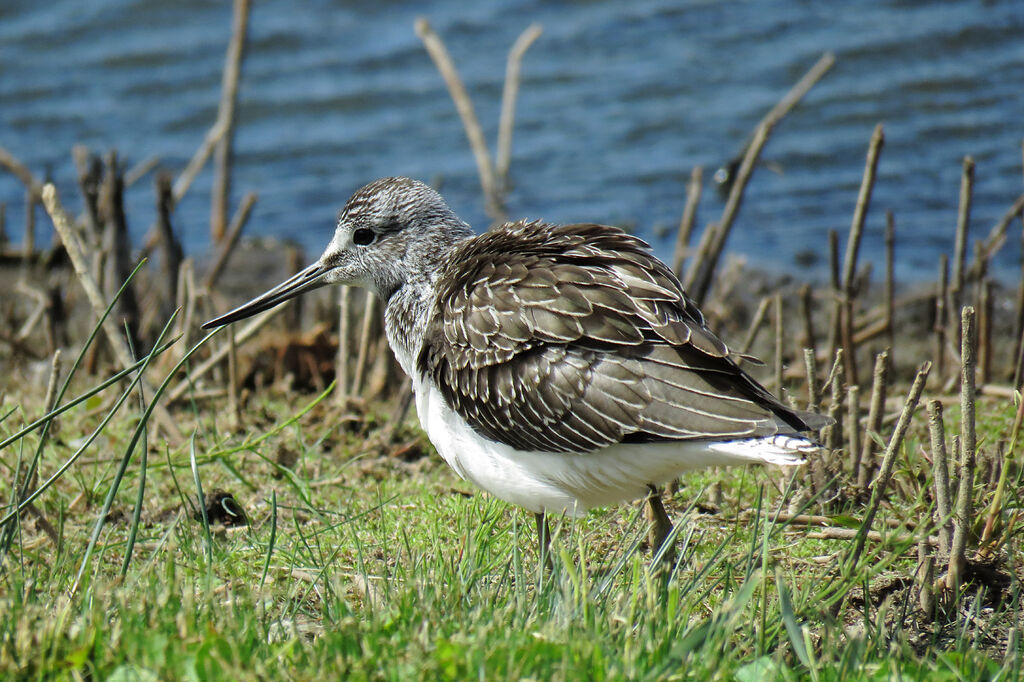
{"x": 941, "y": 295}
{"x": 813, "y": 393}
{"x": 227, "y": 245}
{"x": 779, "y": 342}
{"x": 443, "y": 61}
{"x": 853, "y": 248}
{"x": 968, "y": 446}
{"x": 693, "y": 191}
{"x": 835, "y": 286}
{"x": 806, "y": 318}
{"x": 369, "y": 315}
{"x": 21, "y": 171}
{"x": 169, "y": 244}
{"x": 704, "y": 278}
{"x": 226, "y": 113}
{"x": 888, "y": 461}
{"x": 890, "y": 286}
{"x": 996, "y": 237}
{"x": 344, "y": 344}
{"x": 962, "y": 226}
{"x": 853, "y": 426}
{"x": 755, "y": 324}
{"x": 876, "y": 409}
{"x": 940, "y": 476}
{"x": 506, "y": 124}
{"x": 139, "y": 170}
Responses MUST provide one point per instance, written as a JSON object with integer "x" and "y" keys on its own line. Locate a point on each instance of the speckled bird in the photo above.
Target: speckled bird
{"x": 558, "y": 367}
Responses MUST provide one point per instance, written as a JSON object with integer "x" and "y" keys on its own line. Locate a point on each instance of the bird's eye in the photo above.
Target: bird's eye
{"x": 362, "y": 237}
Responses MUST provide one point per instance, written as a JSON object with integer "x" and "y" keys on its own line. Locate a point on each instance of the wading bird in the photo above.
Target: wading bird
{"x": 558, "y": 367}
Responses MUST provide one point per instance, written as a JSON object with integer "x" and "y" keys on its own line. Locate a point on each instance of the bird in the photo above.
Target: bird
{"x": 559, "y": 367}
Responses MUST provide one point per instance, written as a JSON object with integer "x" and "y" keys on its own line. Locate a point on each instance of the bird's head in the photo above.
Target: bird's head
{"x": 389, "y": 230}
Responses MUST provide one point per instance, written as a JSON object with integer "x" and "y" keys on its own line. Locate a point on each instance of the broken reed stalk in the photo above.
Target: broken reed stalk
{"x": 890, "y": 282}
{"x": 485, "y": 169}
{"x": 234, "y": 404}
{"x": 20, "y": 171}
{"x": 117, "y": 246}
{"x": 369, "y": 315}
{"x": 28, "y": 242}
{"x": 755, "y": 324}
{"x": 813, "y": 392}
{"x": 941, "y": 296}
{"x": 686, "y": 222}
{"x": 963, "y": 219}
{"x": 853, "y": 241}
{"x": 996, "y": 238}
{"x": 341, "y": 362}
{"x": 169, "y": 244}
{"x": 940, "y": 476}
{"x": 779, "y": 343}
{"x": 806, "y": 318}
{"x": 968, "y": 446}
{"x": 223, "y": 153}
{"x": 888, "y": 461}
{"x": 985, "y": 331}
{"x": 63, "y": 225}
{"x": 705, "y": 276}
{"x": 227, "y": 246}
{"x": 506, "y": 123}
{"x": 925, "y": 576}
{"x": 876, "y": 413}
{"x": 834, "y": 437}
{"x": 835, "y": 310}
{"x": 139, "y": 170}
{"x": 853, "y": 426}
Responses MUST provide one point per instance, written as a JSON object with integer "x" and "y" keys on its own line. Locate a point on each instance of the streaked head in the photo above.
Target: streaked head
{"x": 389, "y": 230}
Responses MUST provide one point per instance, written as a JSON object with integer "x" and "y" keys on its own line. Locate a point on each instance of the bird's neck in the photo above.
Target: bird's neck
{"x": 408, "y": 307}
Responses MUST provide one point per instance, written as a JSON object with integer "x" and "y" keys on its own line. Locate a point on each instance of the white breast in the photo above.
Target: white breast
{"x": 571, "y": 484}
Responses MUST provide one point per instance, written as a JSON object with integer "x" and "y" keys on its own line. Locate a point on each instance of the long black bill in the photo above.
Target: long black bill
{"x": 310, "y": 278}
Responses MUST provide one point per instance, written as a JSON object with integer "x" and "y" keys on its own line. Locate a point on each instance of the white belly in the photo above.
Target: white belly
{"x": 567, "y": 483}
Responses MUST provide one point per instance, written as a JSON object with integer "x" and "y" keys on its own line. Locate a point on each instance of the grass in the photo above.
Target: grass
{"x": 363, "y": 565}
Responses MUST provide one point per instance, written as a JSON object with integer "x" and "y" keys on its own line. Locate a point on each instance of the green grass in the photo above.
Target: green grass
{"x": 367, "y": 566}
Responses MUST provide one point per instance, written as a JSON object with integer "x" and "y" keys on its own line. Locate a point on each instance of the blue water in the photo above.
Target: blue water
{"x": 618, "y": 102}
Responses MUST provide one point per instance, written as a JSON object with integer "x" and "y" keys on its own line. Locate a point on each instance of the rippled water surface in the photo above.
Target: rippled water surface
{"x": 618, "y": 102}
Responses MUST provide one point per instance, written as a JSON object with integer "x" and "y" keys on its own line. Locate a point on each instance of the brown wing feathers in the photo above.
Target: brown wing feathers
{"x": 572, "y": 338}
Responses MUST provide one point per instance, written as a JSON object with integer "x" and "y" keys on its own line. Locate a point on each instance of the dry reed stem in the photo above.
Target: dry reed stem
{"x": 835, "y": 283}
{"x": 62, "y": 223}
{"x": 139, "y": 170}
{"x": 940, "y": 476}
{"x": 755, "y": 324}
{"x": 925, "y": 576}
{"x": 234, "y": 404}
{"x": 779, "y": 343}
{"x": 806, "y": 316}
{"x": 941, "y": 296}
{"x": 995, "y": 238}
{"x": 876, "y": 410}
{"x": 689, "y": 217}
{"x": 28, "y": 242}
{"x": 985, "y": 331}
{"x": 813, "y": 392}
{"x": 506, "y": 123}
{"x": 226, "y": 112}
{"x": 20, "y": 171}
{"x": 890, "y": 282}
{"x": 227, "y": 246}
{"x": 889, "y": 460}
{"x": 853, "y": 427}
{"x": 341, "y": 363}
{"x": 963, "y": 219}
{"x": 968, "y": 447}
{"x": 705, "y": 275}
{"x": 853, "y": 249}
{"x": 442, "y": 60}
{"x": 169, "y": 244}
{"x": 202, "y": 154}
{"x": 834, "y": 438}
{"x": 369, "y": 315}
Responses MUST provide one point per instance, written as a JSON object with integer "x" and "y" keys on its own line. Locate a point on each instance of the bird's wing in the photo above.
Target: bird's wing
{"x": 571, "y": 338}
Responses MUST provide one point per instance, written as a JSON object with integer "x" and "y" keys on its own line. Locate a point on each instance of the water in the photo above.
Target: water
{"x": 618, "y": 102}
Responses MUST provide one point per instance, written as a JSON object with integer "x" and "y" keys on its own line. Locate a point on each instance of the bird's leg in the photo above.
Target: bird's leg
{"x": 661, "y": 526}
{"x": 543, "y": 538}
